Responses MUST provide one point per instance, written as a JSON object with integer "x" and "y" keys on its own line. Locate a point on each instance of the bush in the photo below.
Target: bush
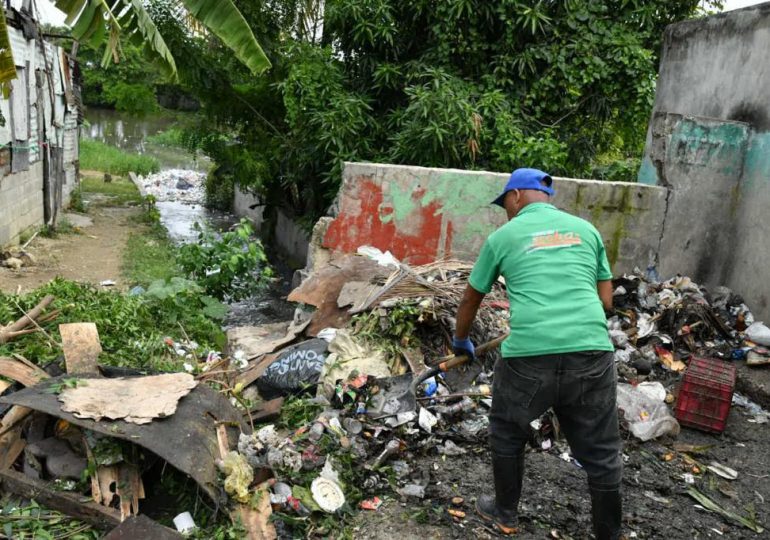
{"x": 98, "y": 156}
{"x": 230, "y": 265}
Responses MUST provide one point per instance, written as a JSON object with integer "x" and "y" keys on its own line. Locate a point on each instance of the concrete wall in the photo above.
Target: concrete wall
{"x": 41, "y": 128}
{"x": 709, "y": 142}
{"x": 242, "y": 203}
{"x": 423, "y": 214}
{"x": 290, "y": 239}
{"x": 21, "y": 201}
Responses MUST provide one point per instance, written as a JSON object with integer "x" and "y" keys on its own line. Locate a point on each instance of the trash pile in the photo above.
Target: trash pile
{"x": 330, "y": 412}
{"x": 181, "y": 185}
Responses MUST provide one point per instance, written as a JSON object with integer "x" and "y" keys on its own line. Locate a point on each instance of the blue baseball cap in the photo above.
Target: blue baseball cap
{"x": 526, "y": 179}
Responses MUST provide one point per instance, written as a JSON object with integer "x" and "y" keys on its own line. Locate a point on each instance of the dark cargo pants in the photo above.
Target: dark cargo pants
{"x": 581, "y": 388}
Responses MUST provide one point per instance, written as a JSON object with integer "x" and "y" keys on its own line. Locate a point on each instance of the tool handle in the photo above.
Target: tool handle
{"x": 453, "y": 361}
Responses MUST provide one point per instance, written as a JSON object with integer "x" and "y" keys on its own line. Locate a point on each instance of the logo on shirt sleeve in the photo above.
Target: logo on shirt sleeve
{"x": 553, "y": 240}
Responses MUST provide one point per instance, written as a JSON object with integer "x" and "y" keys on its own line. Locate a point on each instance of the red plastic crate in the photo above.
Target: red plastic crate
{"x": 705, "y": 394}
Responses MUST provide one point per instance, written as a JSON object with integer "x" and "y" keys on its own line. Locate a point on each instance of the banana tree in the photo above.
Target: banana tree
{"x": 97, "y": 21}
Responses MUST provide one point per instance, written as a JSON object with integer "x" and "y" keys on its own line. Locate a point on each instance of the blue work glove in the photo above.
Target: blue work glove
{"x": 463, "y": 347}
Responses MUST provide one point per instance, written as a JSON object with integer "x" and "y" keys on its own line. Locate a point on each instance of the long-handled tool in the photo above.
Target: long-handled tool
{"x": 406, "y": 401}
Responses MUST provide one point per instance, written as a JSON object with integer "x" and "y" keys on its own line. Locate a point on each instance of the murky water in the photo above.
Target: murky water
{"x": 131, "y": 132}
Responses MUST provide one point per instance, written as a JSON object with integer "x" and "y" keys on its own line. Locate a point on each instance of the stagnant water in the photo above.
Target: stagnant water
{"x": 130, "y": 133}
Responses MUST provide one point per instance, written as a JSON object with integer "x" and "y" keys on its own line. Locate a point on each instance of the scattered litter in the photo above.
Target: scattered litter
{"x": 657, "y": 498}
{"x": 107, "y": 283}
{"x": 449, "y": 448}
{"x": 184, "y": 523}
{"x": 427, "y": 420}
{"x": 705, "y": 394}
{"x": 327, "y": 494}
{"x": 722, "y": 470}
{"x": 239, "y": 476}
{"x": 179, "y": 185}
{"x": 712, "y": 506}
{"x": 758, "y": 333}
{"x": 371, "y": 504}
{"x": 412, "y": 490}
{"x": 648, "y": 417}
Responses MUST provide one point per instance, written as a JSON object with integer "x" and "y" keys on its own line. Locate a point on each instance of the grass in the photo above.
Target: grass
{"x": 98, "y": 156}
{"x": 121, "y": 192}
{"x": 149, "y": 256}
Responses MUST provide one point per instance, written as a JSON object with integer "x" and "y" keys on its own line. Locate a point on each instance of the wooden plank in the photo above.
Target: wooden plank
{"x": 267, "y": 411}
{"x": 69, "y": 503}
{"x": 255, "y": 372}
{"x": 81, "y": 345}
{"x": 13, "y": 369}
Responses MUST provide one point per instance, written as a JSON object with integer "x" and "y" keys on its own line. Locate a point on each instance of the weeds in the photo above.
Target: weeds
{"x": 76, "y": 201}
{"x": 131, "y": 328}
{"x": 98, "y": 156}
{"x": 230, "y": 265}
{"x": 62, "y": 227}
{"x": 30, "y": 520}
{"x": 173, "y": 137}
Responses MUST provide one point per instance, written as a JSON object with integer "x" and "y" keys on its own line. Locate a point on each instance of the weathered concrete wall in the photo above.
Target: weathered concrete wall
{"x": 39, "y": 138}
{"x": 242, "y": 207}
{"x": 288, "y": 237}
{"x": 423, "y": 214}
{"x": 21, "y": 202}
{"x": 709, "y": 142}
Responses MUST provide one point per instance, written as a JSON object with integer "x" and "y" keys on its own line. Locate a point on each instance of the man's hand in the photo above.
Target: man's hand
{"x": 463, "y": 347}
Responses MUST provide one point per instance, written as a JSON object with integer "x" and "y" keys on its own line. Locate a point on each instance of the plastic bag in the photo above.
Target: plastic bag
{"x": 759, "y": 333}
{"x": 645, "y": 410}
{"x": 297, "y": 367}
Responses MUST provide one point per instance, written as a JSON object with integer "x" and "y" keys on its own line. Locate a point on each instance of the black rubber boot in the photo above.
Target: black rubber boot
{"x": 501, "y": 509}
{"x": 606, "y": 511}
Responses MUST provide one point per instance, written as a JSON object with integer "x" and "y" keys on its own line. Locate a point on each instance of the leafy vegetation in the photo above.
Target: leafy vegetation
{"x": 32, "y": 521}
{"x": 98, "y": 156}
{"x": 100, "y": 22}
{"x": 565, "y": 86}
{"x": 229, "y": 265}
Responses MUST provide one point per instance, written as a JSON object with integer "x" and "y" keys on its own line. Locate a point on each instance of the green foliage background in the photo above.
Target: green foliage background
{"x": 565, "y": 85}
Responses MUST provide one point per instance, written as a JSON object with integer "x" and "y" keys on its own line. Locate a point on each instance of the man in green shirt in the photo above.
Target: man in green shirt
{"x": 558, "y": 353}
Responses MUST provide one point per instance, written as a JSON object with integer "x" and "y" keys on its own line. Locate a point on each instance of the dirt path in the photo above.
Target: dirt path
{"x": 93, "y": 254}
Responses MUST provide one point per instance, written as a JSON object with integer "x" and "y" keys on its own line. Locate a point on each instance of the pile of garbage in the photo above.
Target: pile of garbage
{"x": 180, "y": 185}
{"x": 331, "y": 411}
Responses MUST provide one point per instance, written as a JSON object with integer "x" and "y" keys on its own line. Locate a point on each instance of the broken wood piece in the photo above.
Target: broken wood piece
{"x": 256, "y": 521}
{"x": 138, "y": 400}
{"x": 18, "y": 328}
{"x": 80, "y": 342}
{"x": 11, "y": 447}
{"x": 255, "y": 372}
{"x": 130, "y": 489}
{"x": 142, "y": 528}
{"x": 256, "y": 341}
{"x": 267, "y": 411}
{"x": 69, "y": 503}
{"x": 13, "y": 369}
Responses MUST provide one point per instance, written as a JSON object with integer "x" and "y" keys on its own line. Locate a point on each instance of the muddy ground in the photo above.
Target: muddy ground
{"x": 555, "y": 501}
{"x": 90, "y": 254}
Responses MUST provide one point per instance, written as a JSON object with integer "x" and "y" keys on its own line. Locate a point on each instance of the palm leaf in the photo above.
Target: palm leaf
{"x": 95, "y": 20}
{"x": 224, "y": 20}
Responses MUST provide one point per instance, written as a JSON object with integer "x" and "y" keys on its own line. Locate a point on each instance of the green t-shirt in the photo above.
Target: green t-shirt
{"x": 551, "y": 261}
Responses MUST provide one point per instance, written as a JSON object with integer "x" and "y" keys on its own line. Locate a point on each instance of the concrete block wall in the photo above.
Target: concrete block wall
{"x": 424, "y": 214}
{"x": 21, "y": 203}
{"x": 709, "y": 143}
